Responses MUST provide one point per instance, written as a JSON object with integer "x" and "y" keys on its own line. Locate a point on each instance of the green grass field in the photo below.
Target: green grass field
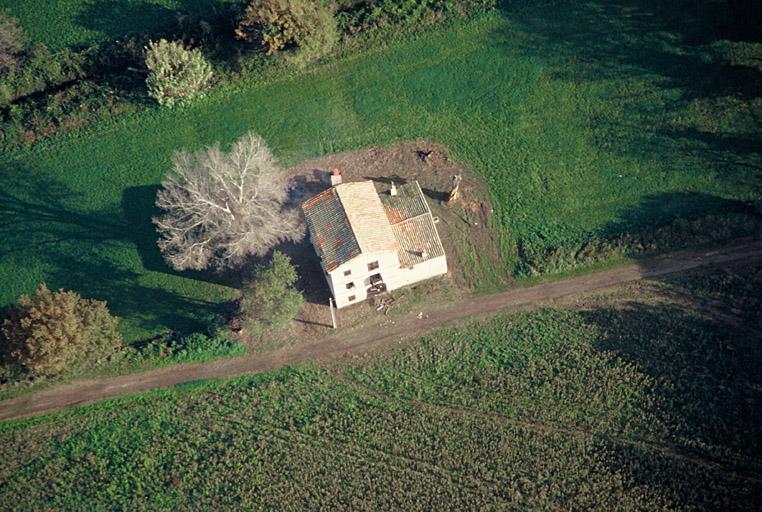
{"x": 583, "y": 120}
{"x": 74, "y": 23}
{"x": 637, "y": 401}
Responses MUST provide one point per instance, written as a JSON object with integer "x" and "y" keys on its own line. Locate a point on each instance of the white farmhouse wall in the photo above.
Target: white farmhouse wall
{"x": 388, "y": 265}
{"x": 425, "y": 270}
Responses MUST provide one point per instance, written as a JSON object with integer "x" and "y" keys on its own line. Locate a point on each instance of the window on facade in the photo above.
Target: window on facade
{"x": 350, "y": 286}
{"x": 373, "y": 265}
{"x": 352, "y": 297}
{"x": 347, "y": 272}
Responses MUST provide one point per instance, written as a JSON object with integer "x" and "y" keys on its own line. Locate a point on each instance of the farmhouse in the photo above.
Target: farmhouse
{"x": 371, "y": 242}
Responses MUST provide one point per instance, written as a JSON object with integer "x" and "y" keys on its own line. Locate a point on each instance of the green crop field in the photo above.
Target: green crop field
{"x": 73, "y": 23}
{"x": 583, "y": 119}
{"x": 636, "y": 401}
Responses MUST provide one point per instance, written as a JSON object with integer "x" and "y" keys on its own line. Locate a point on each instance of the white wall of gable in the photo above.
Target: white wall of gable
{"x": 422, "y": 271}
{"x": 388, "y": 264}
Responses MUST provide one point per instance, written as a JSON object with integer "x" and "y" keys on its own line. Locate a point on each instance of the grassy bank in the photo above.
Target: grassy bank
{"x": 76, "y": 23}
{"x": 643, "y": 399}
{"x": 585, "y": 121}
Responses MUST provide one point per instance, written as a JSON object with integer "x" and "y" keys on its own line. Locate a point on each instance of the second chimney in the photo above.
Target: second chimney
{"x": 335, "y": 177}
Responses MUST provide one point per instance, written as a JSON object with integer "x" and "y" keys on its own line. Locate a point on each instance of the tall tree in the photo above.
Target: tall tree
{"x": 221, "y": 208}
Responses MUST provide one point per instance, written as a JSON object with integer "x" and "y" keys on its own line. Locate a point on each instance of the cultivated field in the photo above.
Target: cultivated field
{"x": 648, "y": 398}
{"x": 584, "y": 120}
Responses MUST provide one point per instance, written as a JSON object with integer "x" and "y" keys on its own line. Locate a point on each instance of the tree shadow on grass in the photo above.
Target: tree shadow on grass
{"x": 139, "y": 207}
{"x": 48, "y": 230}
{"x": 703, "y": 367}
{"x": 671, "y": 83}
{"x": 698, "y": 340}
{"x": 656, "y": 211}
{"x": 117, "y": 18}
{"x": 665, "y": 41}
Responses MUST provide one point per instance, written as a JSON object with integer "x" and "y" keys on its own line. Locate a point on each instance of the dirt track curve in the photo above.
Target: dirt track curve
{"x": 81, "y": 392}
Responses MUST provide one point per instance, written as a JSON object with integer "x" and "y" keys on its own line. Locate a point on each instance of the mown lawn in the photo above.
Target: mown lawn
{"x": 74, "y": 23}
{"x": 583, "y": 119}
{"x": 638, "y": 401}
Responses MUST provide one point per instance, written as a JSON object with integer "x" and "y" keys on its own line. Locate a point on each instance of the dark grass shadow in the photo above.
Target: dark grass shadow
{"x": 42, "y": 226}
{"x": 139, "y": 207}
{"x": 117, "y": 18}
{"x": 658, "y": 210}
{"x": 642, "y": 38}
{"x": 679, "y": 47}
{"x": 208, "y": 24}
{"x": 703, "y": 369}
{"x": 699, "y": 344}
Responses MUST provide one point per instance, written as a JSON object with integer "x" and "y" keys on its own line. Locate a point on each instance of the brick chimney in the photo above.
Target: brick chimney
{"x": 335, "y": 177}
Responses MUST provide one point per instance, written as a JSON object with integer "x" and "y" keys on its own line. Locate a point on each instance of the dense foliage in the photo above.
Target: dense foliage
{"x": 53, "y": 332}
{"x": 176, "y": 74}
{"x": 270, "y": 300}
{"x": 634, "y": 404}
{"x": 308, "y": 25}
{"x": 170, "y": 349}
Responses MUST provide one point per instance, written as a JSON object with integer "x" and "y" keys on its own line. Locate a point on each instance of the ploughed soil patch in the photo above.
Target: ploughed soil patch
{"x": 464, "y": 227}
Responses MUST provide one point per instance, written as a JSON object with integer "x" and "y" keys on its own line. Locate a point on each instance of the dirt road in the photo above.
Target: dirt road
{"x": 359, "y": 341}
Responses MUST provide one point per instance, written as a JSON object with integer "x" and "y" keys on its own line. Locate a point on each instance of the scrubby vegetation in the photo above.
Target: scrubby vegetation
{"x": 54, "y": 332}
{"x": 170, "y": 349}
{"x": 270, "y": 300}
{"x": 639, "y": 401}
{"x": 52, "y": 336}
{"x": 12, "y": 42}
{"x": 176, "y": 74}
{"x": 310, "y": 26}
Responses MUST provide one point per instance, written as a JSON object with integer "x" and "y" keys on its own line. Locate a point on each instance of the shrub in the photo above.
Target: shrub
{"x": 358, "y": 16}
{"x": 12, "y": 43}
{"x": 271, "y": 301}
{"x": 51, "y": 332}
{"x": 196, "y": 347}
{"x": 39, "y": 69}
{"x": 176, "y": 74}
{"x": 308, "y": 25}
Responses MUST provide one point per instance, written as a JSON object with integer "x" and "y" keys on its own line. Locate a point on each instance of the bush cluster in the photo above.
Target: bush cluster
{"x": 307, "y": 25}
{"x": 176, "y": 74}
{"x": 197, "y": 347}
{"x": 12, "y": 43}
{"x": 54, "y": 332}
{"x": 270, "y": 301}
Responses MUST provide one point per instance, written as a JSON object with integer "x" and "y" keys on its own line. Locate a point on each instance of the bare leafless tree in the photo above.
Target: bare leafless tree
{"x": 220, "y": 208}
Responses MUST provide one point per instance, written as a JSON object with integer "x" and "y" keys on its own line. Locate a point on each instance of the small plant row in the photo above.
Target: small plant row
{"x": 45, "y": 92}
